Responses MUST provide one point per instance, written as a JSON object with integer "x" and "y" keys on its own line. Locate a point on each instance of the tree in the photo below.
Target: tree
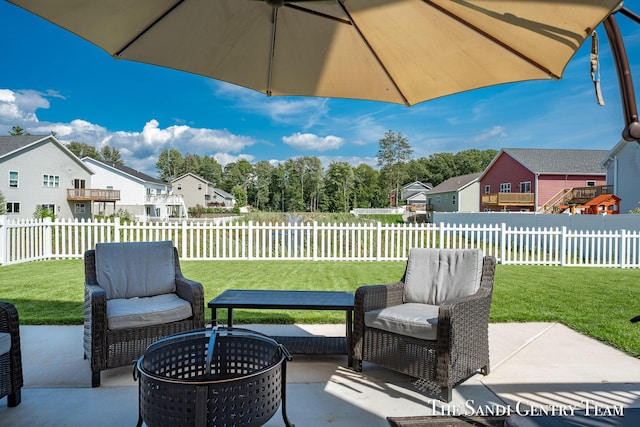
{"x": 16, "y": 130}
{"x": 240, "y": 194}
{"x": 393, "y": 153}
{"x": 366, "y": 187}
{"x": 210, "y": 169}
{"x": 258, "y": 194}
{"x": 339, "y": 183}
{"x": 237, "y": 173}
{"x": 80, "y": 149}
{"x": 473, "y": 160}
{"x": 170, "y": 164}
{"x": 111, "y": 155}
{"x": 3, "y": 204}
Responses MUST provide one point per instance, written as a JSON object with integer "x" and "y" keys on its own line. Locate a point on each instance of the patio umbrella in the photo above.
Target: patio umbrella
{"x": 399, "y": 51}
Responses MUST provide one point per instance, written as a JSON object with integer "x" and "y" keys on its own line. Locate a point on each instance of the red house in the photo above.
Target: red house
{"x": 542, "y": 180}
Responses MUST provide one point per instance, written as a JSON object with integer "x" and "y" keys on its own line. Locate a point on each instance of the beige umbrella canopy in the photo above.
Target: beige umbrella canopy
{"x": 399, "y": 51}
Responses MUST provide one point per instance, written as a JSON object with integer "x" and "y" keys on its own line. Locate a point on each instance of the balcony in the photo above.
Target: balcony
{"x": 94, "y": 195}
{"x": 509, "y": 199}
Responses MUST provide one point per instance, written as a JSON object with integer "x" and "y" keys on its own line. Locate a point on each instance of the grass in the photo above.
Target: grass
{"x": 595, "y": 301}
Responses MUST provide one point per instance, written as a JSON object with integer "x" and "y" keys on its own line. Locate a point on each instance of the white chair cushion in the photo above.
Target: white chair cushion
{"x": 5, "y": 342}
{"x": 411, "y": 319}
{"x": 146, "y": 311}
{"x": 128, "y": 270}
{"x": 436, "y": 275}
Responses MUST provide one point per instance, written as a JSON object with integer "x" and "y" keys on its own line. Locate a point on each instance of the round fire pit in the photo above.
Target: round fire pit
{"x": 212, "y": 377}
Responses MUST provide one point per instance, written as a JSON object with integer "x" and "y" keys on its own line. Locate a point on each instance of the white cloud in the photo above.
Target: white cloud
{"x": 498, "y": 131}
{"x": 309, "y": 141}
{"x": 18, "y": 108}
{"x": 226, "y": 158}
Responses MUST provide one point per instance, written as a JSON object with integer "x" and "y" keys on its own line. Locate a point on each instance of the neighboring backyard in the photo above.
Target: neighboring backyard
{"x": 595, "y": 301}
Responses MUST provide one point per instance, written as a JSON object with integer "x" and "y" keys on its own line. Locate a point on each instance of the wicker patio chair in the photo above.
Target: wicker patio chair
{"x": 135, "y": 294}
{"x": 11, "y": 380}
{"x": 434, "y": 323}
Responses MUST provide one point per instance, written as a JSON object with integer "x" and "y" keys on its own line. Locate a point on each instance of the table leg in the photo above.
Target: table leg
{"x": 230, "y": 317}
{"x": 214, "y": 316}
{"x": 349, "y": 337}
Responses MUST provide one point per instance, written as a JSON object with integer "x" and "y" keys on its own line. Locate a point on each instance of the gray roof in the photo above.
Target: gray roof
{"x": 132, "y": 172}
{"x": 223, "y": 193}
{"x": 455, "y": 183}
{"x": 559, "y": 161}
{"x": 11, "y": 143}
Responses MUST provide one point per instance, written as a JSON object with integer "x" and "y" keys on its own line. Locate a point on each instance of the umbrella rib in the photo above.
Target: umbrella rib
{"x": 373, "y": 52}
{"x": 145, "y": 30}
{"x": 493, "y": 39}
{"x": 320, "y": 14}
{"x": 274, "y": 23}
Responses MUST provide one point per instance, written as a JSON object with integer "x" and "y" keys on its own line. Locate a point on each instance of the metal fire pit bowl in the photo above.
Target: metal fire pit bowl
{"x": 218, "y": 377}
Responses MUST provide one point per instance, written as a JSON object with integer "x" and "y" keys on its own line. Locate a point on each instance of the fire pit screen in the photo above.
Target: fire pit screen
{"x": 212, "y": 377}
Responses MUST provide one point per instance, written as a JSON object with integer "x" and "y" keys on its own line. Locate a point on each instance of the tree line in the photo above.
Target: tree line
{"x": 302, "y": 184}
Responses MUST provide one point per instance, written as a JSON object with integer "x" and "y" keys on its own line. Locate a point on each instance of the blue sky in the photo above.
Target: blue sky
{"x": 51, "y": 80}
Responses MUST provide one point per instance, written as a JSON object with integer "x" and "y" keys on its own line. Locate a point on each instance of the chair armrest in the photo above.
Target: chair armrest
{"x": 10, "y": 323}
{"x": 368, "y": 298}
{"x": 372, "y": 297}
{"x": 95, "y": 321}
{"x": 192, "y": 291}
{"x": 463, "y": 324}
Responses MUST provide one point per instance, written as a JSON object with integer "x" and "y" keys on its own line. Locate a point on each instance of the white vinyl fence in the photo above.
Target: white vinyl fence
{"x": 30, "y": 240}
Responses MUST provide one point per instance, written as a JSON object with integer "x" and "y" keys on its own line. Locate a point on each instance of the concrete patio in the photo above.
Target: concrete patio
{"x": 534, "y": 366}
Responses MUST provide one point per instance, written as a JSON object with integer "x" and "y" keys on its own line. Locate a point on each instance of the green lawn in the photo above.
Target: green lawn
{"x": 595, "y": 301}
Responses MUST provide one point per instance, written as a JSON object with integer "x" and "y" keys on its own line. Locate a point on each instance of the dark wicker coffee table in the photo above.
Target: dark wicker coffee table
{"x": 293, "y": 300}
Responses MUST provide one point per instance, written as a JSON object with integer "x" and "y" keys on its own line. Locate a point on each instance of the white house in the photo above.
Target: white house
{"x": 456, "y": 194}
{"x": 623, "y": 172}
{"x": 38, "y": 170}
{"x": 415, "y": 192}
{"x": 141, "y": 195}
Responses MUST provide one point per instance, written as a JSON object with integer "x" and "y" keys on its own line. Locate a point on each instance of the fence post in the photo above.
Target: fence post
{"x": 503, "y": 243}
{"x": 250, "y": 240}
{"x": 623, "y": 248}
{"x": 315, "y": 238}
{"x": 563, "y": 245}
{"x": 48, "y": 238}
{"x": 116, "y": 229}
{"x": 379, "y": 241}
{"x": 441, "y": 239}
{"x": 184, "y": 240}
{"x": 3, "y": 239}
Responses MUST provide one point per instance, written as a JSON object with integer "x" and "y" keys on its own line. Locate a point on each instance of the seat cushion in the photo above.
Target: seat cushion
{"x": 146, "y": 311}
{"x": 437, "y": 275}
{"x": 5, "y": 342}
{"x": 128, "y": 270}
{"x": 411, "y": 319}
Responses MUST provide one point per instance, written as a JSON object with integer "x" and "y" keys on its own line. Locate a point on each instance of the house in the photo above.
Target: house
{"x": 141, "y": 195}
{"x": 541, "y": 180}
{"x": 197, "y": 191}
{"x": 38, "y": 170}
{"x": 456, "y": 194}
{"x": 412, "y": 193}
{"x": 622, "y": 165}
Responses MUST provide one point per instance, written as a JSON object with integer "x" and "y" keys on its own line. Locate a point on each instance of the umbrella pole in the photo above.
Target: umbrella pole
{"x": 631, "y": 131}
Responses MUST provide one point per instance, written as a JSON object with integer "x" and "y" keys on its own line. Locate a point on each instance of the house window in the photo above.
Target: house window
{"x": 79, "y": 208}
{"x": 487, "y": 189}
{"x": 437, "y": 200}
{"x": 179, "y": 186}
{"x": 51, "y": 181}
{"x": 79, "y": 183}
{"x": 109, "y": 187}
{"x": 591, "y": 183}
{"x": 505, "y": 187}
{"x": 13, "y": 207}
{"x": 13, "y": 179}
{"x": 525, "y": 187}
{"x": 453, "y": 199}
{"x": 199, "y": 186}
{"x": 49, "y": 206}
